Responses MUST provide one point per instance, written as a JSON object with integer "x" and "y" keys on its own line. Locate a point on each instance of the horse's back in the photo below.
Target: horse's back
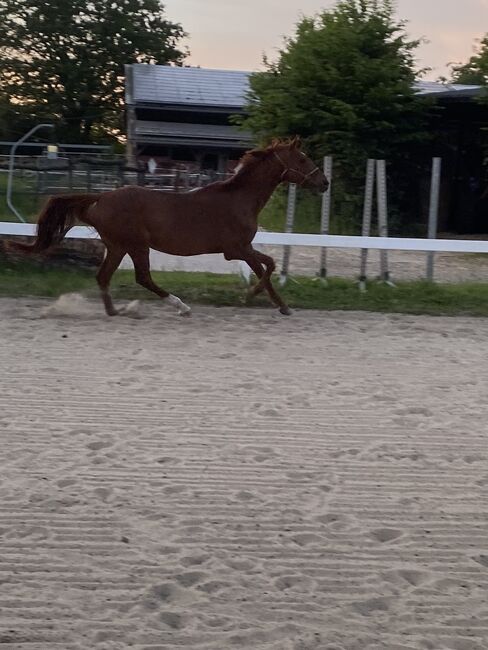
{"x": 176, "y": 223}
{"x": 186, "y": 223}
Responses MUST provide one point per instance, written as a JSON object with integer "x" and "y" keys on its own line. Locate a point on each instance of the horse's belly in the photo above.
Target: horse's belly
{"x": 185, "y": 249}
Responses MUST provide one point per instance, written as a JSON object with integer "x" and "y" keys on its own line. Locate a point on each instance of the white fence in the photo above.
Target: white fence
{"x": 296, "y": 239}
{"x": 375, "y": 171}
{"x": 217, "y": 264}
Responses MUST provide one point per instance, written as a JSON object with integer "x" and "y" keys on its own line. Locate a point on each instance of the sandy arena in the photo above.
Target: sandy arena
{"x": 241, "y": 480}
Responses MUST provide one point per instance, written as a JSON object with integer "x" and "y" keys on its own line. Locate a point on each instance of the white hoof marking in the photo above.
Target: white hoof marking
{"x": 179, "y": 305}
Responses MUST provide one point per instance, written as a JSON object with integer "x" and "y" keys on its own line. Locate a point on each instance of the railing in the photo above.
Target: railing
{"x": 295, "y": 239}
{"x": 84, "y": 172}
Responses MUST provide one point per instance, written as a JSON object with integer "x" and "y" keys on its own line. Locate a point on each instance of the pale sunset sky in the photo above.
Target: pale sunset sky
{"x": 234, "y": 34}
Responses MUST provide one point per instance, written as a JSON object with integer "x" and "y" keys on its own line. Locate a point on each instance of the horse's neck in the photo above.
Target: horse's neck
{"x": 259, "y": 183}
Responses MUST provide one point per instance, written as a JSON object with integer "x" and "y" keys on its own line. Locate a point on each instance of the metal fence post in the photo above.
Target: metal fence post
{"x": 11, "y": 166}
{"x": 382, "y": 217}
{"x": 325, "y": 217}
{"x": 290, "y": 218}
{"x": 367, "y": 216}
{"x": 435, "y": 184}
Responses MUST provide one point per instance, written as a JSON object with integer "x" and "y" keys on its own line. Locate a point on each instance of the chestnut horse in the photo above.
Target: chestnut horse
{"x": 219, "y": 218}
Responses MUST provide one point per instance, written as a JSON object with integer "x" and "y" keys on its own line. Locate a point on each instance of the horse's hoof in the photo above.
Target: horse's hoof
{"x": 113, "y": 312}
{"x": 185, "y": 314}
{"x": 286, "y": 311}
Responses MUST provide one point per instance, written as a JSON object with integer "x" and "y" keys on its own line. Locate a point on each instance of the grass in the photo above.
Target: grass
{"x": 307, "y": 214}
{"x": 23, "y": 197}
{"x": 32, "y": 279}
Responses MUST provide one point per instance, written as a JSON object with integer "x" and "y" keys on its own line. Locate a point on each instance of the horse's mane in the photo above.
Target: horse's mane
{"x": 249, "y": 161}
{"x": 252, "y": 157}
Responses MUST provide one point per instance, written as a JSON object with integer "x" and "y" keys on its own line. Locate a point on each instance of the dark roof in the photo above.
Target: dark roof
{"x": 162, "y": 84}
{"x": 192, "y": 87}
{"x": 204, "y": 134}
{"x": 436, "y": 89}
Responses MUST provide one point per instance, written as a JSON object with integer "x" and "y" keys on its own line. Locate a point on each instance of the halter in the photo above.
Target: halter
{"x": 287, "y": 169}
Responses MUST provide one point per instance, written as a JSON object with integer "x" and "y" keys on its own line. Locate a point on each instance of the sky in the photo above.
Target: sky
{"x": 234, "y": 34}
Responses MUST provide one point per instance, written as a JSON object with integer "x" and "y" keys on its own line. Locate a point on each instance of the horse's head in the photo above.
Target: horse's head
{"x": 298, "y": 168}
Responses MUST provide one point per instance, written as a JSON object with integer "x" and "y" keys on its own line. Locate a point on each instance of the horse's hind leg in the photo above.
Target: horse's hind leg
{"x": 266, "y": 284}
{"x": 270, "y": 265}
{"x": 249, "y": 255}
{"x": 109, "y": 265}
{"x": 143, "y": 277}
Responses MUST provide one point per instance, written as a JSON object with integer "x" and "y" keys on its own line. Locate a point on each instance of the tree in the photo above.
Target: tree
{"x": 345, "y": 83}
{"x": 64, "y": 61}
{"x": 475, "y": 71}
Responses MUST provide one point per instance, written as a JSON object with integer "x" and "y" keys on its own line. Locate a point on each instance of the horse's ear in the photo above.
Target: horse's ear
{"x": 296, "y": 142}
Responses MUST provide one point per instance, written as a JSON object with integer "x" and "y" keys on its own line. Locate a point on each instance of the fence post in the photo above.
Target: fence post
{"x": 367, "y": 216}
{"x": 325, "y": 217}
{"x": 435, "y": 184}
{"x": 382, "y": 217}
{"x": 88, "y": 177}
{"x": 290, "y": 218}
{"x": 121, "y": 175}
{"x": 70, "y": 175}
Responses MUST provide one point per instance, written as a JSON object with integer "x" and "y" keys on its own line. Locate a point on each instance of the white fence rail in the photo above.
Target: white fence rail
{"x": 296, "y": 239}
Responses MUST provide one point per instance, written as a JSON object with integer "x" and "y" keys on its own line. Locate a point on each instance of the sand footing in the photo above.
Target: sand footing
{"x": 241, "y": 480}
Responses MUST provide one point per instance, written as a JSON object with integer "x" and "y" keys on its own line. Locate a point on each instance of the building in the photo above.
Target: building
{"x": 460, "y": 125}
{"x": 177, "y": 114}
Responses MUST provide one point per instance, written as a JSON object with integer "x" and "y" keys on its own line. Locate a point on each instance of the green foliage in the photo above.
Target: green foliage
{"x": 475, "y": 71}
{"x": 307, "y": 214}
{"x": 344, "y": 83}
{"x": 64, "y": 60}
{"x": 24, "y": 197}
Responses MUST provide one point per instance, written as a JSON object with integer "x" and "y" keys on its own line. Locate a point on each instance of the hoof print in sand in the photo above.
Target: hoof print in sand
{"x": 482, "y": 559}
{"x": 173, "y": 620}
{"x": 190, "y": 579}
{"x": 371, "y": 606}
{"x": 293, "y": 583}
{"x": 413, "y": 577}
{"x": 385, "y": 535}
{"x": 65, "y": 482}
{"x": 194, "y": 560}
{"x": 214, "y": 586}
{"x": 98, "y": 445}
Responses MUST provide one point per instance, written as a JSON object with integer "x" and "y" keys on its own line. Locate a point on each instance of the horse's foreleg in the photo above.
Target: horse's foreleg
{"x": 143, "y": 277}
{"x": 113, "y": 258}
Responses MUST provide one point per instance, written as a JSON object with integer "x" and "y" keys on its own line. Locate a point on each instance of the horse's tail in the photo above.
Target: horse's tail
{"x": 57, "y": 217}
